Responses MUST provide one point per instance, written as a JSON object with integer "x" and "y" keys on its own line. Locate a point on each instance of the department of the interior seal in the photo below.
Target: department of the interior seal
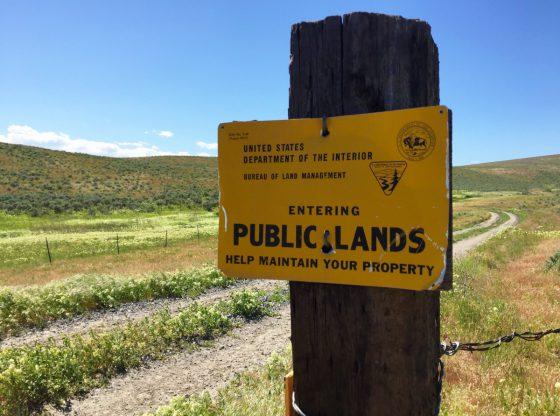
{"x": 416, "y": 141}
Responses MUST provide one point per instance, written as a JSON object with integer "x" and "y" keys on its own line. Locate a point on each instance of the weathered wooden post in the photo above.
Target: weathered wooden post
{"x": 363, "y": 350}
{"x": 48, "y": 250}
{"x": 118, "y": 247}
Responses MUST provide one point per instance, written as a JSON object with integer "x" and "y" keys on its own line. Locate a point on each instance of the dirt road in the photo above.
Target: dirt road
{"x": 461, "y": 248}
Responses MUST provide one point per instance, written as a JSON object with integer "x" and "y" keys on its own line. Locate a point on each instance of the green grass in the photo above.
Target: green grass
{"x": 22, "y": 237}
{"x": 468, "y": 218}
{"x": 37, "y": 306}
{"x": 32, "y": 376}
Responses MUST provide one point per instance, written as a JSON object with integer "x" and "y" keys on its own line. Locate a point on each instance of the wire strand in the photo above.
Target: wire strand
{"x": 454, "y": 347}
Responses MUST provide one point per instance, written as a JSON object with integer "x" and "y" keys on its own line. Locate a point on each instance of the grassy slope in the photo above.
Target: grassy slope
{"x": 45, "y": 180}
{"x": 38, "y": 176}
{"x": 512, "y": 175}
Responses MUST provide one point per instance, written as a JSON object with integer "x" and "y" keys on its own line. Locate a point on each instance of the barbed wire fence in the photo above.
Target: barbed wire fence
{"x": 117, "y": 243}
{"x": 450, "y": 349}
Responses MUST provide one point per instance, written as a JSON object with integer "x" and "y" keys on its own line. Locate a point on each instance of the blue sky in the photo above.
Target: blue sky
{"x": 130, "y": 78}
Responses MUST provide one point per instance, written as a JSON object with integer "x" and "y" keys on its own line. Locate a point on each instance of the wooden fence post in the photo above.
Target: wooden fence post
{"x": 358, "y": 350}
{"x": 165, "y": 238}
{"x": 118, "y": 248}
{"x": 48, "y": 250}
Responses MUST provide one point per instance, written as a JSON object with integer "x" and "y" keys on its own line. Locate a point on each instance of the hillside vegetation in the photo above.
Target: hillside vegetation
{"x": 38, "y": 181}
{"x": 511, "y": 175}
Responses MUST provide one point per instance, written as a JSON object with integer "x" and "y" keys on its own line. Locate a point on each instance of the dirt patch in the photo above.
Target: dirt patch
{"x": 205, "y": 369}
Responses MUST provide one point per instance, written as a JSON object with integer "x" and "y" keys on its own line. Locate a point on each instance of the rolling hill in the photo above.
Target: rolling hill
{"x": 37, "y": 181}
{"x": 542, "y": 172}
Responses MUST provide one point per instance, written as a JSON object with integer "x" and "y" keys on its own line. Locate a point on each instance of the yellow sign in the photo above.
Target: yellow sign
{"x": 368, "y": 204}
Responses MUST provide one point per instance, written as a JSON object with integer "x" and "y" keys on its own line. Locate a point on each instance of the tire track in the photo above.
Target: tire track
{"x": 463, "y": 247}
{"x": 107, "y": 319}
{"x": 206, "y": 369}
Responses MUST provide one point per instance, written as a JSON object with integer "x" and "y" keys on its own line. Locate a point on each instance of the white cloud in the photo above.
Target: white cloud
{"x": 19, "y": 134}
{"x": 207, "y": 146}
{"x": 204, "y": 154}
{"x": 166, "y": 134}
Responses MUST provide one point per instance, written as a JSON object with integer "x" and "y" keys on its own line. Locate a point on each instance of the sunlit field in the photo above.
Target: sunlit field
{"x": 510, "y": 283}
{"x": 23, "y": 239}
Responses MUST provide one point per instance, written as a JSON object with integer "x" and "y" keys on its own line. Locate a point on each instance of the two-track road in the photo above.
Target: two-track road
{"x": 461, "y": 248}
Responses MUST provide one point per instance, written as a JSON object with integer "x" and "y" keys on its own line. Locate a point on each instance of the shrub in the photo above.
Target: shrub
{"x": 553, "y": 263}
{"x": 37, "y": 306}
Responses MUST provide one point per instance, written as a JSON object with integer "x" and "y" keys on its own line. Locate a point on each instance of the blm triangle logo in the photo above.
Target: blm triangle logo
{"x": 388, "y": 174}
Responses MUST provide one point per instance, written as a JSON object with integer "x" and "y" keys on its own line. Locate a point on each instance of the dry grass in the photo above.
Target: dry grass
{"x": 534, "y": 293}
{"x": 179, "y": 256}
{"x": 520, "y": 378}
{"x": 466, "y": 216}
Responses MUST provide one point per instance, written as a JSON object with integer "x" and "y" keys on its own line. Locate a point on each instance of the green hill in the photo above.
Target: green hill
{"x": 37, "y": 181}
{"x": 522, "y": 175}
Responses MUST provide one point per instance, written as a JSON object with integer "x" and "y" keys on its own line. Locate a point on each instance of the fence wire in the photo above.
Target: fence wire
{"x": 454, "y": 347}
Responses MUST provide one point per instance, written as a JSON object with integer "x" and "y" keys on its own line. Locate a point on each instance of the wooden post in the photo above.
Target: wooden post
{"x": 165, "y": 238}
{"x": 118, "y": 248}
{"x": 358, "y": 350}
{"x": 197, "y": 233}
{"x": 48, "y": 250}
{"x": 288, "y": 390}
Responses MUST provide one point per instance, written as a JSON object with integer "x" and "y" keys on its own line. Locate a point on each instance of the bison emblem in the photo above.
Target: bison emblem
{"x": 416, "y": 140}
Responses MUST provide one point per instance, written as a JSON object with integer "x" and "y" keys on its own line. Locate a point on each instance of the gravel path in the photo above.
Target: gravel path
{"x": 461, "y": 248}
{"x": 107, "y": 319}
{"x": 147, "y": 388}
{"x": 488, "y": 223}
